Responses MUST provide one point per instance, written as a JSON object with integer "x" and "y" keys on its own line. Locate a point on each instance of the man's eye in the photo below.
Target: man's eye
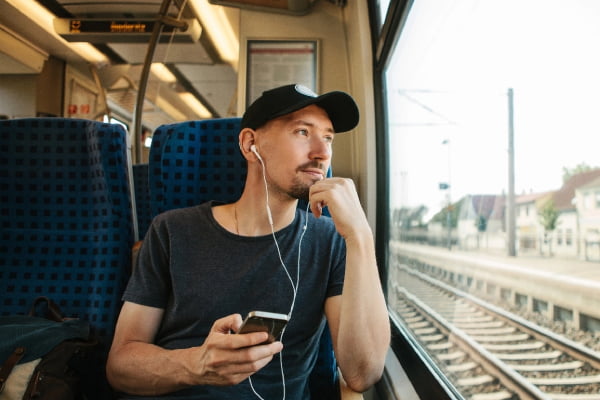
{"x": 329, "y": 139}
{"x": 303, "y": 132}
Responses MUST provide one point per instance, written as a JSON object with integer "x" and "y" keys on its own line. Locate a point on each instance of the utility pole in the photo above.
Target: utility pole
{"x": 447, "y": 186}
{"x": 510, "y": 203}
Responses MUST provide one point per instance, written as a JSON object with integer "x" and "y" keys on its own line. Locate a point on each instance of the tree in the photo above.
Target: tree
{"x": 481, "y": 225}
{"x": 548, "y": 215}
{"x": 448, "y": 216}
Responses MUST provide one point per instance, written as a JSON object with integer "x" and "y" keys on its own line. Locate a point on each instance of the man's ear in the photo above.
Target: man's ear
{"x": 246, "y": 140}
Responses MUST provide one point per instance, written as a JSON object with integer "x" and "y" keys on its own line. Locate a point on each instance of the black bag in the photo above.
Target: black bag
{"x": 45, "y": 358}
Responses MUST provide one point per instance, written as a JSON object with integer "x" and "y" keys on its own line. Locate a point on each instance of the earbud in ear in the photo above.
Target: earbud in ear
{"x": 253, "y": 149}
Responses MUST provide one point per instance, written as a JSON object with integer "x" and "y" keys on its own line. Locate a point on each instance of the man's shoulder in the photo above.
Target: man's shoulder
{"x": 177, "y": 213}
{"x": 183, "y": 215}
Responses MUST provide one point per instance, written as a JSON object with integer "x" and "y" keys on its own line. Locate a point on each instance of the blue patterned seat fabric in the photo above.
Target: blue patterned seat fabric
{"x": 196, "y": 161}
{"x": 65, "y": 221}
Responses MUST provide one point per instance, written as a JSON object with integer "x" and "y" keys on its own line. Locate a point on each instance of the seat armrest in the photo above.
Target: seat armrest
{"x": 135, "y": 250}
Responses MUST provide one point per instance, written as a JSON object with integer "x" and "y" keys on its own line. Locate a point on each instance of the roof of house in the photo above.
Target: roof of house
{"x": 593, "y": 184}
{"x": 531, "y": 197}
{"x": 563, "y": 198}
{"x": 490, "y": 206}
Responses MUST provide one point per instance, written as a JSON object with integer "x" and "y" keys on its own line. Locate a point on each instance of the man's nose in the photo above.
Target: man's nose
{"x": 320, "y": 149}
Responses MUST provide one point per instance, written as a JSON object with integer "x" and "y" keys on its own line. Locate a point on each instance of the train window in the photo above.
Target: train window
{"x": 492, "y": 146}
{"x": 114, "y": 120}
{"x": 382, "y": 9}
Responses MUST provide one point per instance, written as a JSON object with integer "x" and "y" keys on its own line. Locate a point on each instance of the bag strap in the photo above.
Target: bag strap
{"x": 53, "y": 312}
{"x": 9, "y": 364}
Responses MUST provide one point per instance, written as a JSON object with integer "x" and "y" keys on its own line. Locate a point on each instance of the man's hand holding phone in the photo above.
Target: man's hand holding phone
{"x": 262, "y": 321}
{"x": 228, "y": 359}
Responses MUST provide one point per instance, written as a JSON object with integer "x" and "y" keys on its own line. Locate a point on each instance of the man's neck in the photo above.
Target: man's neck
{"x": 249, "y": 216}
{"x": 254, "y": 217}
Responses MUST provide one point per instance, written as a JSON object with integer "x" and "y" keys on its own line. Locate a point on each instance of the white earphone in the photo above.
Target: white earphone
{"x": 253, "y": 149}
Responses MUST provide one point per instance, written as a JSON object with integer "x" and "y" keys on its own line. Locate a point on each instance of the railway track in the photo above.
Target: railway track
{"x": 489, "y": 353}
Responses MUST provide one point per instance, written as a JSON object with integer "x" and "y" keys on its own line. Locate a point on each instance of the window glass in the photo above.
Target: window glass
{"x": 382, "y": 9}
{"x": 114, "y": 120}
{"x": 492, "y": 135}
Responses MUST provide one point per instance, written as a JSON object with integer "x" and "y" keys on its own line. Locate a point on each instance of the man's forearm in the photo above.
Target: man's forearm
{"x": 364, "y": 332}
{"x": 146, "y": 369}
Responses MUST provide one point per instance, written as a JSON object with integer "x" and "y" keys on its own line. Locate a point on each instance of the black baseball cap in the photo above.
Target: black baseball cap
{"x": 273, "y": 103}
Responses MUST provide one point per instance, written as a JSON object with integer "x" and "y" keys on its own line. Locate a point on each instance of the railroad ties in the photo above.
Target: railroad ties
{"x": 489, "y": 353}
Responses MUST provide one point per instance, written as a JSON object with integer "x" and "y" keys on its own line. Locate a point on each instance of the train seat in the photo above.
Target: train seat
{"x": 66, "y": 223}
{"x": 196, "y": 161}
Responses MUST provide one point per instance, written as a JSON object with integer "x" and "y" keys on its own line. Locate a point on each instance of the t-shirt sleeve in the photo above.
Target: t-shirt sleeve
{"x": 149, "y": 284}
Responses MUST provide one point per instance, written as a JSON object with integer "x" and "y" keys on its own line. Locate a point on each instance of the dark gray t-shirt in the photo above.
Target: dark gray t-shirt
{"x": 198, "y": 272}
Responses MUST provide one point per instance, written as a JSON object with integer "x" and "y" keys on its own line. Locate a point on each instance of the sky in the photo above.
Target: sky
{"x": 448, "y": 107}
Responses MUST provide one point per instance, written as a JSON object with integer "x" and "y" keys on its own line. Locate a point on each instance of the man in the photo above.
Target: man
{"x": 201, "y": 268}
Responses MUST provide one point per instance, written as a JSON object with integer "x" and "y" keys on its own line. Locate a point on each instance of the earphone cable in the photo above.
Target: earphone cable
{"x": 294, "y": 287}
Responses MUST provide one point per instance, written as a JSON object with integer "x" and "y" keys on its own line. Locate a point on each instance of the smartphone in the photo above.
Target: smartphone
{"x": 262, "y": 321}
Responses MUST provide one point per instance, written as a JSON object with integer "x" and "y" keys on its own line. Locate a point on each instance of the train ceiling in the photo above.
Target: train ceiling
{"x": 193, "y": 59}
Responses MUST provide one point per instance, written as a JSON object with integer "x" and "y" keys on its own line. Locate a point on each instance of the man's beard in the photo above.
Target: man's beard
{"x": 299, "y": 191}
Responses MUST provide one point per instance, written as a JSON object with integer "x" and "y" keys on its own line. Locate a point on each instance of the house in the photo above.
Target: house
{"x": 481, "y": 222}
{"x": 527, "y": 224}
{"x": 566, "y": 240}
{"x": 587, "y": 201}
